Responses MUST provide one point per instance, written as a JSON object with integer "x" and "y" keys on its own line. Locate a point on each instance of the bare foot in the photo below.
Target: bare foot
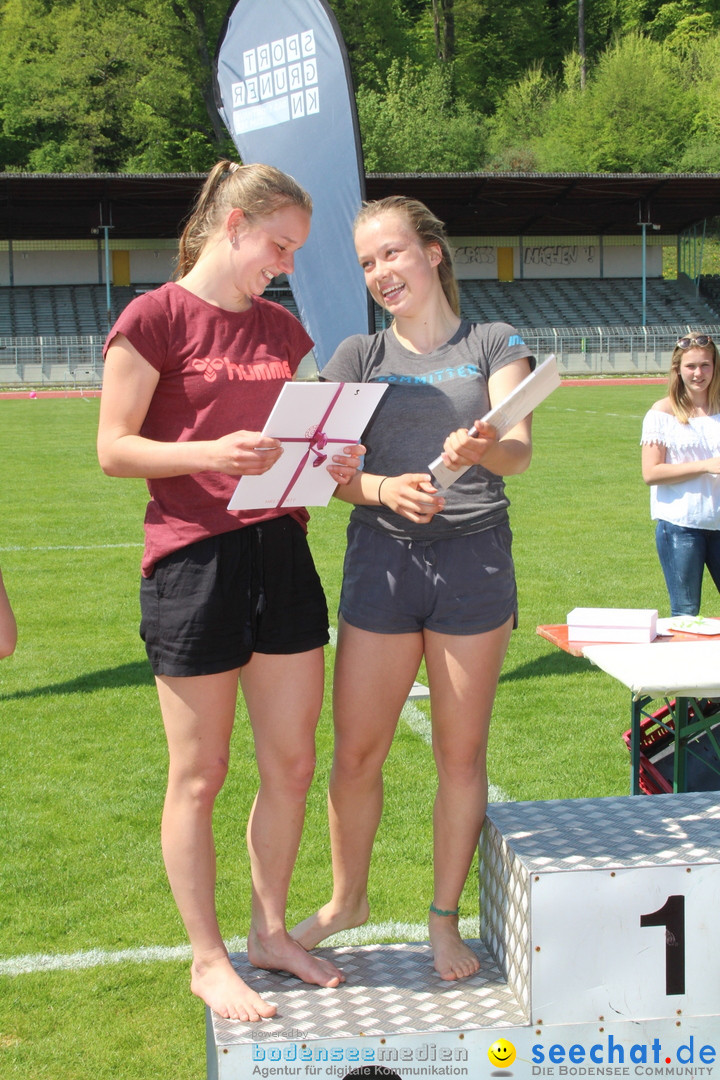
{"x": 280, "y": 952}
{"x": 219, "y": 986}
{"x": 327, "y": 921}
{"x": 453, "y": 958}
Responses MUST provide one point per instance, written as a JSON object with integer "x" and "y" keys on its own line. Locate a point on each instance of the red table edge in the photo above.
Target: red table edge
{"x": 558, "y": 635}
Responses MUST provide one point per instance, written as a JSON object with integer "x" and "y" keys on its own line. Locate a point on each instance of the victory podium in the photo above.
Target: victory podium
{"x": 598, "y": 949}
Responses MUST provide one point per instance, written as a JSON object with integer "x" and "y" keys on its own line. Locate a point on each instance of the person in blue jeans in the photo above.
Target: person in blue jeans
{"x": 681, "y": 463}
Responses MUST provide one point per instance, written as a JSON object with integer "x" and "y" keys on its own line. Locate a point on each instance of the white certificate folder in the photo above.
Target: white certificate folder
{"x": 313, "y": 421}
{"x": 517, "y": 405}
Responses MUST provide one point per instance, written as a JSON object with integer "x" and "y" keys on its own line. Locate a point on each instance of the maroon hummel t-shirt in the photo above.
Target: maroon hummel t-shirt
{"x": 220, "y": 371}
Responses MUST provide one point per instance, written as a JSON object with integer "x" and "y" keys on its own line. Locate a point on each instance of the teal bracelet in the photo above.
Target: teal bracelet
{"x": 441, "y": 911}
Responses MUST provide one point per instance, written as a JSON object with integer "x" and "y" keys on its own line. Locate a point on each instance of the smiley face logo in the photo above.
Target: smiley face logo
{"x": 502, "y": 1054}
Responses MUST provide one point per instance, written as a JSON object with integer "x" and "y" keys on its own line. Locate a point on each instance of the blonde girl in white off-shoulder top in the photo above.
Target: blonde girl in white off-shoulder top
{"x": 681, "y": 463}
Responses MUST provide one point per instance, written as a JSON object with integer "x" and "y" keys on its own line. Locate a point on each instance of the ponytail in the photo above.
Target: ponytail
{"x": 257, "y": 190}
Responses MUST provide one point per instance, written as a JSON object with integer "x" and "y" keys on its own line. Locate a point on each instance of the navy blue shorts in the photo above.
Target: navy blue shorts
{"x": 462, "y": 585}
{"x": 209, "y": 606}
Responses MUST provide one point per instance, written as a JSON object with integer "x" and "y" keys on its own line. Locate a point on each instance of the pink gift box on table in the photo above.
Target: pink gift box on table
{"x": 632, "y": 625}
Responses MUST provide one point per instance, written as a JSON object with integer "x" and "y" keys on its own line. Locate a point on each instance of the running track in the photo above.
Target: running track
{"x": 8, "y": 395}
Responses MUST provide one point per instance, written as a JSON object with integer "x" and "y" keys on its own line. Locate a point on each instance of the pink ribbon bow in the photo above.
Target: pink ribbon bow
{"x": 316, "y": 443}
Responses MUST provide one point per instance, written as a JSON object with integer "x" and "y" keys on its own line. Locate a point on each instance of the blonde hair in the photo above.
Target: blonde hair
{"x": 677, "y": 391}
{"x": 257, "y": 190}
{"x": 429, "y": 230}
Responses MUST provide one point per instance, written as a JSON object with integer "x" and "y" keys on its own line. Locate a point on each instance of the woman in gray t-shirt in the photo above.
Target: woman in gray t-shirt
{"x": 427, "y": 573}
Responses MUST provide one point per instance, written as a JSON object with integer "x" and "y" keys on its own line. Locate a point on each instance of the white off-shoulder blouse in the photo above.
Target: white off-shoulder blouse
{"x": 695, "y": 502}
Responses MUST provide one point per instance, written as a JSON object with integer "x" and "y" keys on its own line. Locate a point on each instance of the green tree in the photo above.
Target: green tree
{"x": 496, "y": 42}
{"x": 376, "y": 33}
{"x": 92, "y": 85}
{"x": 702, "y": 69}
{"x": 414, "y": 125}
{"x": 634, "y": 115}
{"x": 127, "y": 85}
{"x": 519, "y": 120}
{"x": 173, "y": 123}
{"x": 63, "y": 75}
{"x": 660, "y": 18}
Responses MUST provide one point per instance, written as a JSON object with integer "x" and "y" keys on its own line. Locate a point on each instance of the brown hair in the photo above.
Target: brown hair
{"x": 258, "y": 190}
{"x": 429, "y": 229}
{"x": 677, "y": 391}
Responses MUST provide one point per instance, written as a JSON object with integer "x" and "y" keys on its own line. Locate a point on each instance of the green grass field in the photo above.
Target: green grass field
{"x": 86, "y": 917}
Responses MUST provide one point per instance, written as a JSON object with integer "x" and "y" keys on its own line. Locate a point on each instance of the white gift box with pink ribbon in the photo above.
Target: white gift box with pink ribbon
{"x": 313, "y": 421}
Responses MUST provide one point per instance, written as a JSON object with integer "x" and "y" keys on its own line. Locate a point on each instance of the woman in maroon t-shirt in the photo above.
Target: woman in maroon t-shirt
{"x": 192, "y": 371}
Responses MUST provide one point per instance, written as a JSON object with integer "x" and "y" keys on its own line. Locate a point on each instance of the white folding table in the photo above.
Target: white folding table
{"x": 683, "y": 670}
{"x": 680, "y": 672}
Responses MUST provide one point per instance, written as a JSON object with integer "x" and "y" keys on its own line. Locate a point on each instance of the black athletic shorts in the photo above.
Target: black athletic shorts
{"x": 209, "y": 606}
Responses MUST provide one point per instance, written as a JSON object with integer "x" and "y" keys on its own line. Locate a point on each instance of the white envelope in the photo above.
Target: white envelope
{"x": 310, "y": 420}
{"x": 534, "y": 388}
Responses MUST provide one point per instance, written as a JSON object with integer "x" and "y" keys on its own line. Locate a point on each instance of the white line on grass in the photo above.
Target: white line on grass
{"x": 370, "y": 934}
{"x": 90, "y": 958}
{"x": 72, "y": 547}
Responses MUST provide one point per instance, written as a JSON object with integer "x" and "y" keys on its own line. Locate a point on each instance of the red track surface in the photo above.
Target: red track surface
{"x": 15, "y": 394}
{"x": 7, "y": 395}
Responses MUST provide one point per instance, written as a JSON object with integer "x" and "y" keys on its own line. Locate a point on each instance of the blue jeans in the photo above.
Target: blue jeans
{"x": 684, "y": 553}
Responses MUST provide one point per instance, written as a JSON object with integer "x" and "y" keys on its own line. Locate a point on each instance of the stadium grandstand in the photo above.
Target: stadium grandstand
{"x": 574, "y": 261}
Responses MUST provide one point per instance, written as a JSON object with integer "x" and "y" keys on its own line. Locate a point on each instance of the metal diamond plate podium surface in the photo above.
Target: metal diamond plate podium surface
{"x": 390, "y": 989}
{"x": 586, "y": 834}
{"x": 596, "y": 935}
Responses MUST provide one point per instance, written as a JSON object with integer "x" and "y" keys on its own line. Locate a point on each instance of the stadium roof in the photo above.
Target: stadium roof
{"x": 559, "y": 204}
{"x": 36, "y": 206}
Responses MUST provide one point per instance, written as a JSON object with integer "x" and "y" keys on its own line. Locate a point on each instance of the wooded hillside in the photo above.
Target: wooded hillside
{"x": 442, "y": 85}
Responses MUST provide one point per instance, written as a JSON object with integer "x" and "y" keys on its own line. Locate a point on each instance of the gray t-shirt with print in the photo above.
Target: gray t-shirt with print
{"x": 428, "y": 397}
